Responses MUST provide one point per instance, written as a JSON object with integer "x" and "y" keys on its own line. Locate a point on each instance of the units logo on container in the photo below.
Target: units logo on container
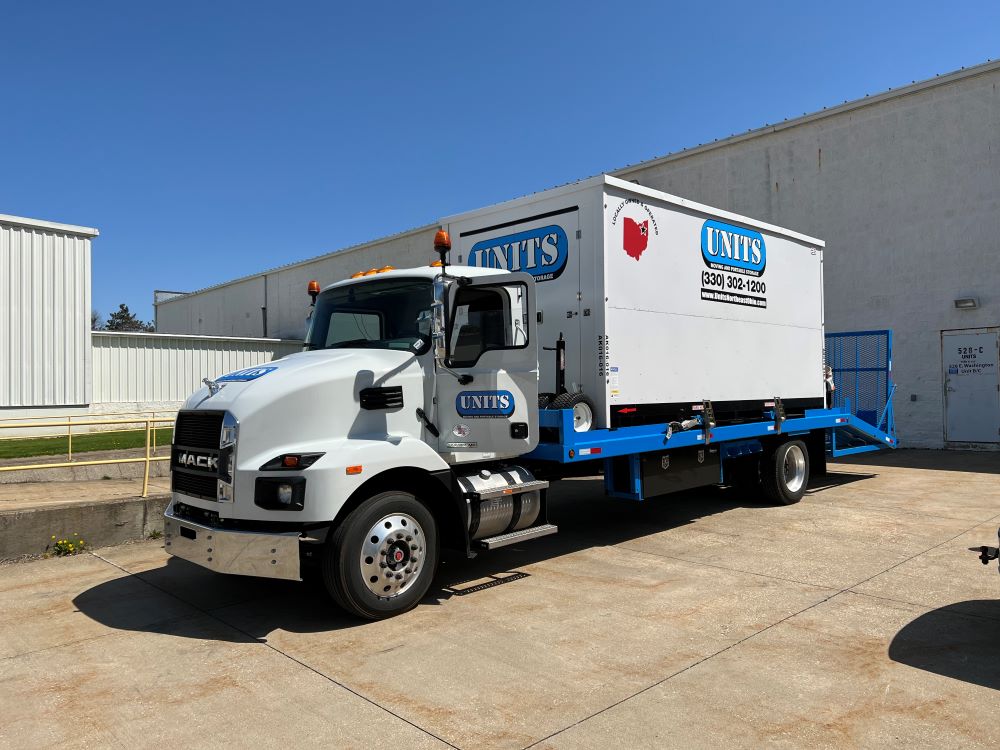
{"x": 485, "y": 404}
{"x": 542, "y": 252}
{"x": 243, "y": 375}
{"x": 730, "y": 248}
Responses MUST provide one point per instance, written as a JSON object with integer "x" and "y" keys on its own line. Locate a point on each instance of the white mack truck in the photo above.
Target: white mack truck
{"x": 668, "y": 344}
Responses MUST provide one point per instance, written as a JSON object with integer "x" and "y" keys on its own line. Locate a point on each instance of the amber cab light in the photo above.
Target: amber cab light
{"x": 357, "y": 275}
{"x": 314, "y": 287}
{"x": 383, "y": 269}
{"x": 442, "y": 241}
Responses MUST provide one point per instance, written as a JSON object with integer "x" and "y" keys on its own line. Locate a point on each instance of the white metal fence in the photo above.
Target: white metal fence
{"x": 157, "y": 368}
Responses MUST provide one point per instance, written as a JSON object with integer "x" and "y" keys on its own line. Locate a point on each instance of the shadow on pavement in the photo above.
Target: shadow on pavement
{"x": 961, "y": 641}
{"x": 976, "y": 462}
{"x": 835, "y": 479}
{"x": 254, "y": 607}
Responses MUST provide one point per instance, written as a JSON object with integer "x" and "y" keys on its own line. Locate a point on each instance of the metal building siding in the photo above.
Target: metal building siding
{"x": 155, "y": 368}
{"x": 44, "y": 317}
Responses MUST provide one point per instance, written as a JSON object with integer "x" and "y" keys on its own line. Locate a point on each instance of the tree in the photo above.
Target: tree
{"x": 124, "y": 320}
{"x": 96, "y": 321}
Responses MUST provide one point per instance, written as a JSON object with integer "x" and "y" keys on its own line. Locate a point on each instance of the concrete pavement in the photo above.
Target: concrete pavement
{"x": 855, "y": 618}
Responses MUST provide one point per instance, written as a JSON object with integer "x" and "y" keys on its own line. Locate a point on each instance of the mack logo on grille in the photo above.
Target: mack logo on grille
{"x": 198, "y": 461}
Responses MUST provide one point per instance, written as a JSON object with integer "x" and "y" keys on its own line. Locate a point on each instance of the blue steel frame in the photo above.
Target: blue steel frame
{"x": 574, "y": 447}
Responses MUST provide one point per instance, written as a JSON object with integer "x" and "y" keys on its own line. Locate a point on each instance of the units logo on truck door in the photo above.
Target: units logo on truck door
{"x": 484, "y": 404}
{"x": 541, "y": 252}
{"x": 736, "y": 259}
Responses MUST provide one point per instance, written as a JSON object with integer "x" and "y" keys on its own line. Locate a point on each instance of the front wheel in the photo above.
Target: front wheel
{"x": 381, "y": 560}
{"x": 784, "y": 474}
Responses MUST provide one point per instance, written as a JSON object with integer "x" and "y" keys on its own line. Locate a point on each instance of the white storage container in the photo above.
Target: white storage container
{"x": 664, "y": 303}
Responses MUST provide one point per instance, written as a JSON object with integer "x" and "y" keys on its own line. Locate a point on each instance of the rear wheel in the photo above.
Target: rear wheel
{"x": 583, "y": 409}
{"x": 784, "y": 474}
{"x": 381, "y": 560}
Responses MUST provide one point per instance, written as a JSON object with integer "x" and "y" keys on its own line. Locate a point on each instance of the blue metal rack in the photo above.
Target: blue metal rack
{"x": 574, "y": 447}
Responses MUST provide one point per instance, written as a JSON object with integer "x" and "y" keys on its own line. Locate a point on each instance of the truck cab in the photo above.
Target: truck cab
{"x": 392, "y": 434}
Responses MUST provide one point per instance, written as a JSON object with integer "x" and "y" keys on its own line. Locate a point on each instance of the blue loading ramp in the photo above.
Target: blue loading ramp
{"x": 862, "y": 373}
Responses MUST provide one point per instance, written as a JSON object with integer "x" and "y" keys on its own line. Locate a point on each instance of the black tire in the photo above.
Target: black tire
{"x": 578, "y": 403}
{"x": 784, "y": 472}
{"x": 544, "y": 399}
{"x": 344, "y": 567}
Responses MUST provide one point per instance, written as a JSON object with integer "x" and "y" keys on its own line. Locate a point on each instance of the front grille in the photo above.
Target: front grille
{"x": 389, "y": 397}
{"x": 197, "y": 485}
{"x": 198, "y": 429}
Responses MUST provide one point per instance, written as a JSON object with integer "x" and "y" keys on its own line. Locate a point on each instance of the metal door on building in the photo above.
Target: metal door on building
{"x": 971, "y": 362}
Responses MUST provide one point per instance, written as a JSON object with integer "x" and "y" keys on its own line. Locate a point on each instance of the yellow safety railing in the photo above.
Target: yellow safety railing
{"x": 148, "y": 458}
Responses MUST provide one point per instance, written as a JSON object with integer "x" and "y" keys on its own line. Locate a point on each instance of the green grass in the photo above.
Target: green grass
{"x": 83, "y": 443}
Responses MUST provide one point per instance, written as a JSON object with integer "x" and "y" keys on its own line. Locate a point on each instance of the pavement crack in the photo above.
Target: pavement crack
{"x": 255, "y": 640}
{"x": 692, "y": 665}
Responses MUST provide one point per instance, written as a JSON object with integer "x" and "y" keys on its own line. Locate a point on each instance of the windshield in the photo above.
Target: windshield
{"x": 389, "y": 314}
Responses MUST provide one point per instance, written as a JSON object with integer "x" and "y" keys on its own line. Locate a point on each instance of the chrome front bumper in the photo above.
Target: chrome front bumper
{"x": 245, "y": 553}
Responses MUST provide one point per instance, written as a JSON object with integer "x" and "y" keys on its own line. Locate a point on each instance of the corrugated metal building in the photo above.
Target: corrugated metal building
{"x": 45, "y": 313}
{"x": 153, "y": 369}
{"x": 50, "y": 362}
{"x": 904, "y": 186}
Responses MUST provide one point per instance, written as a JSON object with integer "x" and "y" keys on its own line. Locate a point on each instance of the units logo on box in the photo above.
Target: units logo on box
{"x": 542, "y": 252}
{"x": 485, "y": 404}
{"x": 730, "y": 248}
{"x": 635, "y": 231}
{"x": 243, "y": 375}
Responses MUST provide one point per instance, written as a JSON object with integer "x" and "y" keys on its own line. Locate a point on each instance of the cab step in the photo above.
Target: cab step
{"x": 533, "y": 532}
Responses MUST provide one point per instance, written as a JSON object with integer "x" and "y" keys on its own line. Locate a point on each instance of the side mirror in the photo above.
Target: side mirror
{"x": 438, "y": 339}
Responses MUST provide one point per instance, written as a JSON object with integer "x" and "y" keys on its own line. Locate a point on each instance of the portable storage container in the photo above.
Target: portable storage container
{"x": 663, "y": 303}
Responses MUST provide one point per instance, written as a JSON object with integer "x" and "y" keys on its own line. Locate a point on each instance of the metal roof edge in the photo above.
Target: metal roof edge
{"x": 23, "y": 221}
{"x": 251, "y": 339}
{"x": 914, "y": 88}
{"x": 553, "y": 192}
{"x": 313, "y": 259}
{"x": 712, "y": 210}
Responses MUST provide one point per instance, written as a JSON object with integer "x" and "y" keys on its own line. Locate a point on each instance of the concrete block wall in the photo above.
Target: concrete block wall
{"x": 906, "y": 193}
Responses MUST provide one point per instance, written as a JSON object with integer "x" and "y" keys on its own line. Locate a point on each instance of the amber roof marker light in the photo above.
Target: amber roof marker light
{"x": 442, "y": 246}
{"x": 313, "y": 290}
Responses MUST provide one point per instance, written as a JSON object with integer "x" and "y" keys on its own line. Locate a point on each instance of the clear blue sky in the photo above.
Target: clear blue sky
{"x": 212, "y": 140}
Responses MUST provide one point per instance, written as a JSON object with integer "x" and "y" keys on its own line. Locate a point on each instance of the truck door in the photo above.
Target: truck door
{"x": 490, "y": 332}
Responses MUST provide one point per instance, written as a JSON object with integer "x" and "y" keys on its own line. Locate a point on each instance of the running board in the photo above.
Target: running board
{"x": 533, "y": 532}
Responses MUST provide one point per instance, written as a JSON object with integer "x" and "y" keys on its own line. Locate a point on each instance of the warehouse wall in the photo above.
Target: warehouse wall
{"x": 906, "y": 193}
{"x": 234, "y": 309}
{"x": 903, "y": 186}
{"x": 44, "y": 313}
{"x": 157, "y": 369}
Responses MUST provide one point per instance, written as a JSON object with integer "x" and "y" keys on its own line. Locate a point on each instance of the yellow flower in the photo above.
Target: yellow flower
{"x": 75, "y": 534}
{"x": 53, "y": 536}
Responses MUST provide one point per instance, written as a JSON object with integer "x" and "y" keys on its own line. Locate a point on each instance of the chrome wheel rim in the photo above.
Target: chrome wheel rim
{"x": 392, "y": 555}
{"x": 794, "y": 468}
{"x": 583, "y": 417}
